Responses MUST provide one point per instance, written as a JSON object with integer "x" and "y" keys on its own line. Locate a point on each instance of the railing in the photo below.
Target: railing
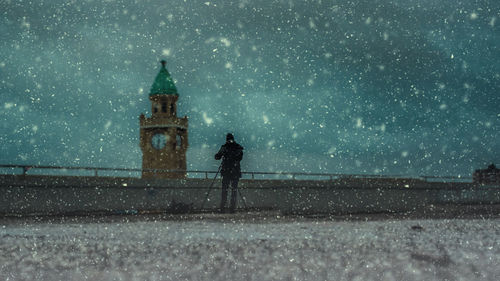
{"x": 130, "y": 172}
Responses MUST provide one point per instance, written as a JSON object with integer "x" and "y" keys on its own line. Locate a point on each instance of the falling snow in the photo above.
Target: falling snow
{"x": 406, "y": 72}
{"x": 351, "y": 87}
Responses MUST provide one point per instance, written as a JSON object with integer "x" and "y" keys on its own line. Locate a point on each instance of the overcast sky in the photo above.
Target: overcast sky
{"x": 377, "y": 87}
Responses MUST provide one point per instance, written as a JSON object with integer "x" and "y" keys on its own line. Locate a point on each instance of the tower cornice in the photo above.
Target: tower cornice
{"x": 159, "y": 122}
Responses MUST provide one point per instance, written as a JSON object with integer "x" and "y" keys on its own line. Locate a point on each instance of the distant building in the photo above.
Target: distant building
{"x": 489, "y": 175}
{"x": 163, "y": 136}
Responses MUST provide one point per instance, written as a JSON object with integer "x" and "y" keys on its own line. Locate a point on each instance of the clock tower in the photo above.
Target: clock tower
{"x": 163, "y": 136}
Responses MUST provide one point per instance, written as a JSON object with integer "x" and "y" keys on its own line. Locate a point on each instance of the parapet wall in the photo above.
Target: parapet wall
{"x": 21, "y": 195}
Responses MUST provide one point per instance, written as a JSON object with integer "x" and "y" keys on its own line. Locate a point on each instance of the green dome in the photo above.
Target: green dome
{"x": 164, "y": 84}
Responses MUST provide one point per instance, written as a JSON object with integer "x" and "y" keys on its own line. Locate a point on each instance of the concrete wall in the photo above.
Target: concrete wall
{"x": 58, "y": 195}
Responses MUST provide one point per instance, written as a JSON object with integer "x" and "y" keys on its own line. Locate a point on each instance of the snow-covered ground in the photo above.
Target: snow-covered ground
{"x": 247, "y": 247}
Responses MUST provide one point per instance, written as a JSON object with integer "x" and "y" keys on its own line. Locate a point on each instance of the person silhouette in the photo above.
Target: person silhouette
{"x": 231, "y": 154}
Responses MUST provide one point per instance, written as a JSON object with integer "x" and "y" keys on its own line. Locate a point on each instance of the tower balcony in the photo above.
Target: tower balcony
{"x": 163, "y": 121}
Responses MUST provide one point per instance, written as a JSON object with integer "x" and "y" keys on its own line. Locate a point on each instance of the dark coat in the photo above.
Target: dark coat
{"x": 231, "y": 154}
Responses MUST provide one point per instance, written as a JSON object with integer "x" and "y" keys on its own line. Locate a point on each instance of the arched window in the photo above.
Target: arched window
{"x": 178, "y": 141}
{"x": 164, "y": 107}
{"x": 172, "y": 109}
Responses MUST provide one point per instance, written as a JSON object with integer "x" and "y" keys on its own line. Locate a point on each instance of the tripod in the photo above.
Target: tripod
{"x": 210, "y": 188}
{"x": 242, "y": 199}
{"x": 212, "y": 184}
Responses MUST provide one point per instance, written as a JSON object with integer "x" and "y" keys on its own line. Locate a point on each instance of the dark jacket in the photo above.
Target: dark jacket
{"x": 231, "y": 154}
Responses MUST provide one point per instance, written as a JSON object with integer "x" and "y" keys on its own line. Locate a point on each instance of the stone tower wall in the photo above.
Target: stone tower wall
{"x": 159, "y": 163}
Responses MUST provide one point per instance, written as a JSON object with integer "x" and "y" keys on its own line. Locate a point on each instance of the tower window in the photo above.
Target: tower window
{"x": 172, "y": 109}
{"x": 164, "y": 107}
{"x": 178, "y": 141}
{"x": 155, "y": 109}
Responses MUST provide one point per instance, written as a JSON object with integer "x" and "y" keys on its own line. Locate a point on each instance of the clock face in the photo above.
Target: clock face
{"x": 159, "y": 141}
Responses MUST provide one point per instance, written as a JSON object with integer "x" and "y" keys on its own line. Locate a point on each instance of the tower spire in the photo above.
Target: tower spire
{"x": 163, "y": 84}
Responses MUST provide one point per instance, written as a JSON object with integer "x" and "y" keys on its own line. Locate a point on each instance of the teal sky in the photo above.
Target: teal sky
{"x": 376, "y": 87}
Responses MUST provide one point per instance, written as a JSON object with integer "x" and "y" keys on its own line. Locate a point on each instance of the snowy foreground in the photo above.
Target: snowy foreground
{"x": 248, "y": 247}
